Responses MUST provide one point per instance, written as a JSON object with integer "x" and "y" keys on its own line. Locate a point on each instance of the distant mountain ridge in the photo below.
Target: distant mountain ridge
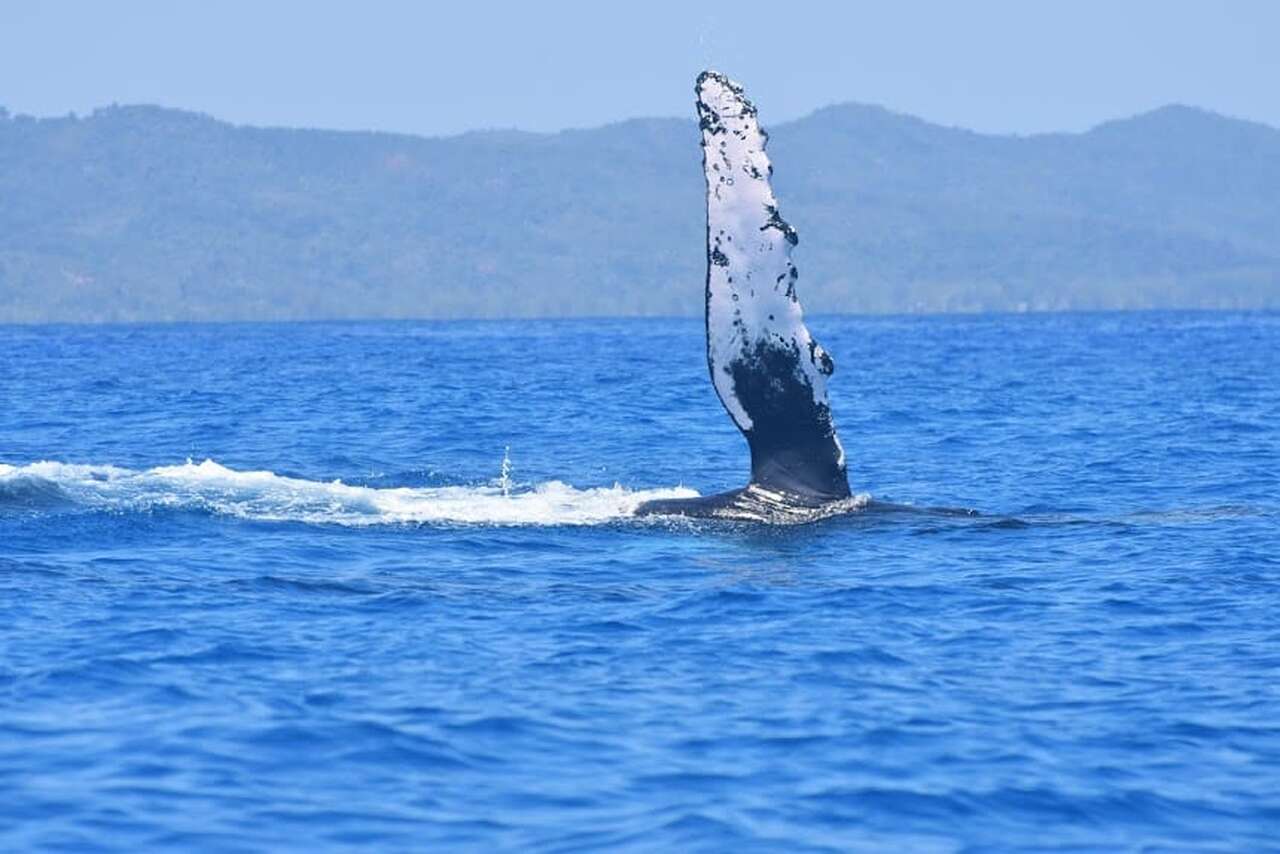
{"x": 144, "y": 213}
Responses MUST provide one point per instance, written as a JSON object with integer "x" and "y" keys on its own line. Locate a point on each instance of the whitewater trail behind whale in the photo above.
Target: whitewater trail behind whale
{"x": 266, "y": 496}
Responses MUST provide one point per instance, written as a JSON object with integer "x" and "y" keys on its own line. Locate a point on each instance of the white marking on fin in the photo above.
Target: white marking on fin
{"x": 750, "y": 278}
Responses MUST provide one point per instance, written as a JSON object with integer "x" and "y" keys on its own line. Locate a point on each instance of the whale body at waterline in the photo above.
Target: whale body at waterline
{"x": 767, "y": 369}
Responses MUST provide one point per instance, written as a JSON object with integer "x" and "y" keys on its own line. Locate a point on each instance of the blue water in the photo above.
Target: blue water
{"x": 210, "y": 643}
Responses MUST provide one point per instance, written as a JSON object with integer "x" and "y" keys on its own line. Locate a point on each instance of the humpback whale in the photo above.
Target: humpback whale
{"x": 768, "y": 371}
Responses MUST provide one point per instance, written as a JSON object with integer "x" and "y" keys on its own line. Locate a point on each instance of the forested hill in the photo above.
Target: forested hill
{"x": 143, "y": 213}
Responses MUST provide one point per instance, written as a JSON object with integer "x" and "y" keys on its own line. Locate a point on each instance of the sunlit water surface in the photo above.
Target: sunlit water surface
{"x": 274, "y": 587}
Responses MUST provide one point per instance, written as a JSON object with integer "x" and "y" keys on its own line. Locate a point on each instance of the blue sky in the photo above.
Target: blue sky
{"x": 438, "y": 68}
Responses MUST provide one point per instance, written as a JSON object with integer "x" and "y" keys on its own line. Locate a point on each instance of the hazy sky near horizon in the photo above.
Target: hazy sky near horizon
{"x": 431, "y": 68}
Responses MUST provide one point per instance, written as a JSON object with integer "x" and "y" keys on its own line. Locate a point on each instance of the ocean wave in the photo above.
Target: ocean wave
{"x": 28, "y": 491}
{"x": 266, "y": 496}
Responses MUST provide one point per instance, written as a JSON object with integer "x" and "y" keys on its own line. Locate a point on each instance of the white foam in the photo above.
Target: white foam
{"x": 266, "y": 496}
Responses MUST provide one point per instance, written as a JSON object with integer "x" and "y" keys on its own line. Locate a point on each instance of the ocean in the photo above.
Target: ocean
{"x": 337, "y": 585}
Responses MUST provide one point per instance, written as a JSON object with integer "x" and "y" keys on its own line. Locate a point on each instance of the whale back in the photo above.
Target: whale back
{"x": 768, "y": 371}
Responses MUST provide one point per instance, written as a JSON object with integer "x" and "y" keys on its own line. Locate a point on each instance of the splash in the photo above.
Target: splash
{"x": 504, "y": 479}
{"x": 266, "y": 496}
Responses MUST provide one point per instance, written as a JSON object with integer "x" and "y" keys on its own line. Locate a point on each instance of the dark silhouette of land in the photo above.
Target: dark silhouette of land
{"x": 143, "y": 213}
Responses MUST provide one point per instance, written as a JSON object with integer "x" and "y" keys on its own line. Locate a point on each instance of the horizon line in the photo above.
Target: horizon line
{"x": 574, "y": 318}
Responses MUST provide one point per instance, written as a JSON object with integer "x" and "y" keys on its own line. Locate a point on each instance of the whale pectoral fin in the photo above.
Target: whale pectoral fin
{"x": 767, "y": 369}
